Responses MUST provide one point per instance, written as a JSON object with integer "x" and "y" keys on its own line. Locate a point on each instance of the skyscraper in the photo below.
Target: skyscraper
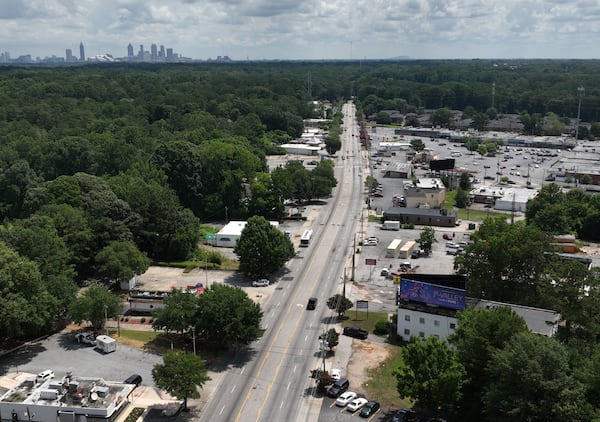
{"x": 153, "y": 52}
{"x": 69, "y": 55}
{"x": 129, "y": 51}
{"x": 161, "y": 53}
{"x": 81, "y": 52}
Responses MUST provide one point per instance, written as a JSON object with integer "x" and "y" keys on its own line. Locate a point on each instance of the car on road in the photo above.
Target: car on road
{"x": 263, "y": 282}
{"x": 368, "y": 242}
{"x": 336, "y": 374}
{"x": 356, "y": 404}
{"x": 370, "y": 409}
{"x": 356, "y": 332}
{"x": 312, "y": 303}
{"x": 345, "y": 398}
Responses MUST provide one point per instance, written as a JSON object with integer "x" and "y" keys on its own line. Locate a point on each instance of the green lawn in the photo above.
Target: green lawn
{"x": 360, "y": 319}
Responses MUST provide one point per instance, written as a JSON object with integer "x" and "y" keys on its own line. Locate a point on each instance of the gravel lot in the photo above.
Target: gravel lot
{"x": 61, "y": 353}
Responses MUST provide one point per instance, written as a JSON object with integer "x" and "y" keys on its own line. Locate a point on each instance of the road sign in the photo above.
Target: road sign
{"x": 370, "y": 261}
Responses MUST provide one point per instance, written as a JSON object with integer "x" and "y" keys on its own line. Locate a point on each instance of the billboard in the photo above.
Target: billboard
{"x": 445, "y": 297}
{"x": 436, "y": 165}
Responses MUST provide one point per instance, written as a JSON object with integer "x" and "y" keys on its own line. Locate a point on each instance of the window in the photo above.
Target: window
{"x": 452, "y": 326}
{"x": 406, "y": 332}
{"x": 421, "y": 320}
{"x": 406, "y": 317}
{"x": 436, "y": 323}
{"x": 421, "y": 334}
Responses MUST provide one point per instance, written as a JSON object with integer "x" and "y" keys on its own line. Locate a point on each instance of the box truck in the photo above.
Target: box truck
{"x": 390, "y": 225}
{"x": 106, "y": 344}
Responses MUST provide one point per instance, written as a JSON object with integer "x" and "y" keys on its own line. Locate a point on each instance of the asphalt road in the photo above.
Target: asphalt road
{"x": 61, "y": 353}
{"x": 272, "y": 382}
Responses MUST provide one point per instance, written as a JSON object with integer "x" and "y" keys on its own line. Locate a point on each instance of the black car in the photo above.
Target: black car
{"x": 404, "y": 415}
{"x": 312, "y": 303}
{"x": 356, "y": 332}
{"x": 369, "y": 409}
{"x": 134, "y": 379}
{"x": 338, "y": 387}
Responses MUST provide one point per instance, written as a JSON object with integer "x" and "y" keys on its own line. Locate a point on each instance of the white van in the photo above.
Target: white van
{"x": 44, "y": 375}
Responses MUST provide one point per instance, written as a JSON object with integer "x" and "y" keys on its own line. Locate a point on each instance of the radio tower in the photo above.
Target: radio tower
{"x": 493, "y": 94}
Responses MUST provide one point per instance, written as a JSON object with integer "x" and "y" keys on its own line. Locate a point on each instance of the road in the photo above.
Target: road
{"x": 275, "y": 385}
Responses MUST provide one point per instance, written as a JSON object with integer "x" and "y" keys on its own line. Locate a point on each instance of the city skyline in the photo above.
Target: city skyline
{"x": 307, "y": 29}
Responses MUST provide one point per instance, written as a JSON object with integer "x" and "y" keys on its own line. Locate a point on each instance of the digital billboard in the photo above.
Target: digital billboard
{"x": 447, "y": 164}
{"x": 445, "y": 297}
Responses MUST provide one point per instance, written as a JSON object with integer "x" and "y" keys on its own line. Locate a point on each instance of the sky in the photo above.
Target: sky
{"x": 306, "y": 29}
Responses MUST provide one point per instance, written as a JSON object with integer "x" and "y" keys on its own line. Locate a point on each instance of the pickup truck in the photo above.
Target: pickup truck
{"x": 86, "y": 338}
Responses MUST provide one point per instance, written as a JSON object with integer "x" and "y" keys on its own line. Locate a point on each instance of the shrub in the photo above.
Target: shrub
{"x": 381, "y": 327}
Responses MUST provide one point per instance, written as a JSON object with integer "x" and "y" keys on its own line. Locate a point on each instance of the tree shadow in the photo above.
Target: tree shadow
{"x": 22, "y": 356}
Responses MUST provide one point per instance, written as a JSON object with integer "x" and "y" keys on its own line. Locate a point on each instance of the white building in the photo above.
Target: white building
{"x": 301, "y": 149}
{"x": 427, "y": 309}
{"x": 72, "y": 399}
{"x": 228, "y": 236}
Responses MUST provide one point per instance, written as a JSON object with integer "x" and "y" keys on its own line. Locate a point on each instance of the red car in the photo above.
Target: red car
{"x": 447, "y": 236}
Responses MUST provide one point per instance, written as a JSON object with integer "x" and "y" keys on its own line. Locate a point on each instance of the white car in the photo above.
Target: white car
{"x": 263, "y": 282}
{"x": 452, "y": 245}
{"x": 336, "y": 374}
{"x": 344, "y": 399}
{"x": 356, "y": 404}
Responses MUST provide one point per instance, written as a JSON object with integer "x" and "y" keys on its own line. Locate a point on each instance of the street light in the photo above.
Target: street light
{"x": 580, "y": 93}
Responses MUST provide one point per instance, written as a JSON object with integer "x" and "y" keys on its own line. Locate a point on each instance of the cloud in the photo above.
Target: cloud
{"x": 291, "y": 29}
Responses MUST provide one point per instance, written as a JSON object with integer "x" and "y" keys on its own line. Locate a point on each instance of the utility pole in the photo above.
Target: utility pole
{"x": 580, "y": 93}
{"x": 353, "y": 259}
{"x": 106, "y": 318}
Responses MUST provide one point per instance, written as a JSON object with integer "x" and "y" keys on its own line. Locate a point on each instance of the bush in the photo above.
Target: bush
{"x": 143, "y": 320}
{"x": 381, "y": 327}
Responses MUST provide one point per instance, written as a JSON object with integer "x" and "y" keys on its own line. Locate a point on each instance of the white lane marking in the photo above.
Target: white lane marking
{"x": 221, "y": 412}
{"x": 289, "y": 383}
{"x": 242, "y": 371}
{"x": 233, "y": 389}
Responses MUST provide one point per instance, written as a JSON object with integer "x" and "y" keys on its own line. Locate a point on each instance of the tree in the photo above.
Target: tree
{"x": 417, "y": 144}
{"x": 95, "y": 305}
{"x": 464, "y": 181}
{"x": 262, "y": 248}
{"x": 178, "y": 313}
{"x": 227, "y": 316}
{"x": 479, "y": 333}
{"x": 383, "y": 118}
{"x": 530, "y": 379}
{"x": 120, "y": 261}
{"x": 426, "y": 239}
{"x": 431, "y": 374}
{"x": 441, "y": 117}
{"x": 505, "y": 262}
{"x": 480, "y": 121}
{"x": 462, "y": 198}
{"x": 180, "y": 374}
{"x": 331, "y": 338}
{"x": 339, "y": 303}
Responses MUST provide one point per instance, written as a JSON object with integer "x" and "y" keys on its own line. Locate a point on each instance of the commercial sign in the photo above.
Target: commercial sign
{"x": 362, "y": 304}
{"x": 370, "y": 261}
{"x": 446, "y": 297}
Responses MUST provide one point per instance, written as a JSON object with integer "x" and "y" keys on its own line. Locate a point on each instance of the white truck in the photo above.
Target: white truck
{"x": 106, "y": 344}
{"x": 390, "y": 225}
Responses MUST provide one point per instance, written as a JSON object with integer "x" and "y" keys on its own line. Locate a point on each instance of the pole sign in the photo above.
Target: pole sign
{"x": 362, "y": 304}
{"x": 370, "y": 261}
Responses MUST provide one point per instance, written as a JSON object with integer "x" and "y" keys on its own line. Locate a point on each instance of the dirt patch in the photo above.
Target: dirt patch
{"x": 365, "y": 355}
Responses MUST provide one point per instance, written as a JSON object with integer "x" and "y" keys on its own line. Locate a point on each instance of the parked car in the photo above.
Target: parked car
{"x": 338, "y": 388}
{"x": 134, "y": 379}
{"x": 356, "y": 332}
{"x": 384, "y": 272}
{"x": 452, "y": 245}
{"x": 447, "y": 236}
{"x": 87, "y": 337}
{"x": 345, "y": 398}
{"x": 369, "y": 409}
{"x": 404, "y": 415}
{"x": 263, "y": 282}
{"x": 336, "y": 374}
{"x": 312, "y": 303}
{"x": 44, "y": 375}
{"x": 356, "y": 404}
